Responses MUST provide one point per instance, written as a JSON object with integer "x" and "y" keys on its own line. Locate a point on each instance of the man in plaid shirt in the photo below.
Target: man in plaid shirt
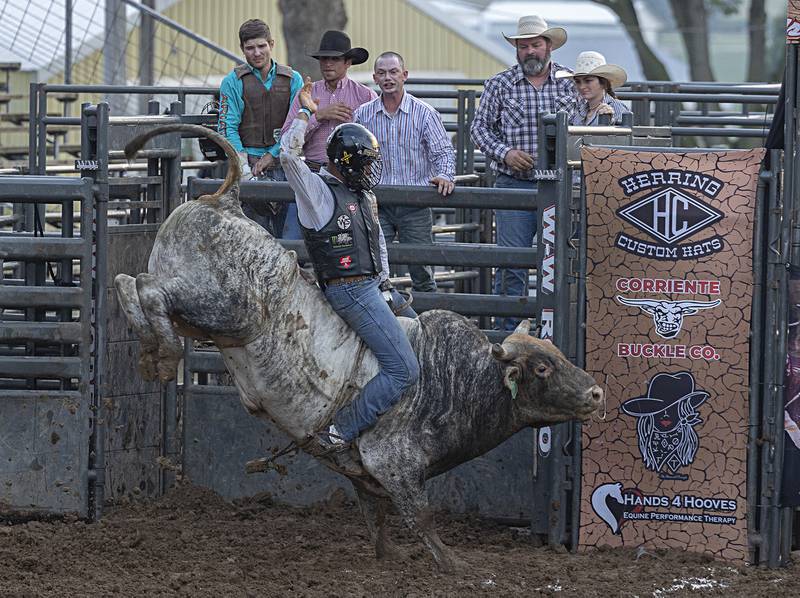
{"x": 505, "y": 129}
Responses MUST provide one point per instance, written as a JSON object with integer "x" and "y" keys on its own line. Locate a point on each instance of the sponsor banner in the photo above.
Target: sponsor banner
{"x": 793, "y": 22}
{"x": 790, "y": 487}
{"x": 669, "y": 285}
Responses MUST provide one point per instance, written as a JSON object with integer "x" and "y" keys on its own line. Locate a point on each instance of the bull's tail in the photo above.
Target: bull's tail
{"x": 234, "y": 171}
{"x": 144, "y": 301}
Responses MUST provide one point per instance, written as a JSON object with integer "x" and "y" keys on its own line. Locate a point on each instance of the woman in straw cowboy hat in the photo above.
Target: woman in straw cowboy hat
{"x": 595, "y": 81}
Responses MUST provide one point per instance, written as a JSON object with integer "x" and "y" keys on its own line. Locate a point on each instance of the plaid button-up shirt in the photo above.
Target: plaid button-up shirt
{"x": 508, "y": 114}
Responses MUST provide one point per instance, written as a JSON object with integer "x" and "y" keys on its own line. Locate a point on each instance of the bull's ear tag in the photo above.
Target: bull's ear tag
{"x": 512, "y": 386}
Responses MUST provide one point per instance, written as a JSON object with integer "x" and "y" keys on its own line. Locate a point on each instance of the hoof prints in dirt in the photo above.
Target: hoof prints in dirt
{"x": 192, "y": 542}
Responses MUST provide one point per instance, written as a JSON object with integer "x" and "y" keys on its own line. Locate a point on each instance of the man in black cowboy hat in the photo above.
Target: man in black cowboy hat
{"x": 336, "y": 96}
{"x": 666, "y": 420}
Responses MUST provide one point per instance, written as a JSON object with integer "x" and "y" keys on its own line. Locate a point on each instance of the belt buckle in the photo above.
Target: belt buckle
{"x": 348, "y": 279}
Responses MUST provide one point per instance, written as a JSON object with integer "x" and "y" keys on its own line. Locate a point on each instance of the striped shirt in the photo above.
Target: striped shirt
{"x": 578, "y": 108}
{"x": 508, "y": 114}
{"x": 414, "y": 145}
{"x": 347, "y": 92}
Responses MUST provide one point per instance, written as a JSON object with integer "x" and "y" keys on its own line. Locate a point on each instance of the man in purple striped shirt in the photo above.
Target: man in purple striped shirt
{"x": 506, "y": 128}
{"x": 336, "y": 96}
{"x": 416, "y": 151}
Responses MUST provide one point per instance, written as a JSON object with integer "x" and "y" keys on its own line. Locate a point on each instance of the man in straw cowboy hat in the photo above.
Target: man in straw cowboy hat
{"x": 595, "y": 80}
{"x": 505, "y": 129}
{"x": 336, "y": 95}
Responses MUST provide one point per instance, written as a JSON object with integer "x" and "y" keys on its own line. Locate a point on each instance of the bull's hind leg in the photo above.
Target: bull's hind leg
{"x": 128, "y": 298}
{"x": 411, "y": 500}
{"x": 375, "y": 509}
{"x": 154, "y": 299}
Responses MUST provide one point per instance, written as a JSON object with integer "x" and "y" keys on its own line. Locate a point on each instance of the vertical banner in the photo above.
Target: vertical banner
{"x": 793, "y": 22}
{"x": 669, "y": 285}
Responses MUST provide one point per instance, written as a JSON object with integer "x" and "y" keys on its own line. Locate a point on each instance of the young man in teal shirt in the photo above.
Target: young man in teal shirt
{"x": 254, "y": 101}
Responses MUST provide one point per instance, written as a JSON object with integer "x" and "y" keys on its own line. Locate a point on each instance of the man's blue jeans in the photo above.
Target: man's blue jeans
{"x": 275, "y": 223}
{"x": 362, "y": 306}
{"x": 515, "y": 228}
{"x": 282, "y": 224}
{"x": 291, "y": 228}
{"x": 410, "y": 225}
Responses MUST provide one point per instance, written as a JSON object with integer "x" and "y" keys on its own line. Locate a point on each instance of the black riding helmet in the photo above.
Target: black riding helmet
{"x": 355, "y": 153}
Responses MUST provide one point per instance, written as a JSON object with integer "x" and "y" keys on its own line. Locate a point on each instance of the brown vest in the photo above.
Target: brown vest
{"x": 264, "y": 111}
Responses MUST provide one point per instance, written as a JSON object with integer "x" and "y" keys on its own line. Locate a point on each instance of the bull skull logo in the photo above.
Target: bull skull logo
{"x": 668, "y": 316}
{"x": 666, "y": 418}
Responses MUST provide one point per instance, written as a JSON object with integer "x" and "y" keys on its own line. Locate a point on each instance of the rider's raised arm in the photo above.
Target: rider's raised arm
{"x": 314, "y": 198}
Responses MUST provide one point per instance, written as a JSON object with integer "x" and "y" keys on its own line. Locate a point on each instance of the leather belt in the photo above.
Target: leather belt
{"x": 347, "y": 279}
{"x": 315, "y": 166}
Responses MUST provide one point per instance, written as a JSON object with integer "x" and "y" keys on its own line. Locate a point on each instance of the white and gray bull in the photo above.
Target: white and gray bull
{"x": 213, "y": 273}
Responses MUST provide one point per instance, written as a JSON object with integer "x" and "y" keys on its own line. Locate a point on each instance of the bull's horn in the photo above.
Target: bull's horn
{"x": 524, "y": 327}
{"x": 499, "y": 352}
{"x": 504, "y": 352}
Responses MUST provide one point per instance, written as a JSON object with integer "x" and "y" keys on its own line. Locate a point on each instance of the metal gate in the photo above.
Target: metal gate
{"x": 79, "y": 426}
{"x": 48, "y": 362}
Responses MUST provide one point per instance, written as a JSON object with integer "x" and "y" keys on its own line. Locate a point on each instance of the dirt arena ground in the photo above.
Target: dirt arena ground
{"x": 193, "y": 543}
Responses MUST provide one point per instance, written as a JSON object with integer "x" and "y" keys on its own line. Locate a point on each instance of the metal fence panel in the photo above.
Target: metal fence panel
{"x": 45, "y": 396}
{"x": 132, "y": 407}
{"x": 45, "y": 452}
{"x": 220, "y": 438}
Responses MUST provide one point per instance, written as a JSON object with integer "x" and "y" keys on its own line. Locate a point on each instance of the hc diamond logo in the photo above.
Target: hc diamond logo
{"x": 669, "y": 215}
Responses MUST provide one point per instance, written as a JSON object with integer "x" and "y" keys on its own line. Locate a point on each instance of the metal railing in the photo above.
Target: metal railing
{"x": 689, "y": 109}
{"x": 477, "y": 256}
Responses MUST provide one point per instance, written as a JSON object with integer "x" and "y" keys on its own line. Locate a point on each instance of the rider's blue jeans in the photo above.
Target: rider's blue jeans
{"x": 362, "y": 306}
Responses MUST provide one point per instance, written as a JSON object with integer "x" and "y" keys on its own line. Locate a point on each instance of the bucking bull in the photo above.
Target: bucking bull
{"x": 215, "y": 274}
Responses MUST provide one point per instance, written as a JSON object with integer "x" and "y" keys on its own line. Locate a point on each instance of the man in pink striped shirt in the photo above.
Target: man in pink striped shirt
{"x": 337, "y": 96}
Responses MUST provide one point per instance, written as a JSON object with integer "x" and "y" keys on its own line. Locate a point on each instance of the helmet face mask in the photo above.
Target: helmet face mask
{"x": 355, "y": 153}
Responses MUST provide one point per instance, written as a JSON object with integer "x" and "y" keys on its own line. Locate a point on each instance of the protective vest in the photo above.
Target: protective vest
{"x": 349, "y": 244}
{"x": 264, "y": 111}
